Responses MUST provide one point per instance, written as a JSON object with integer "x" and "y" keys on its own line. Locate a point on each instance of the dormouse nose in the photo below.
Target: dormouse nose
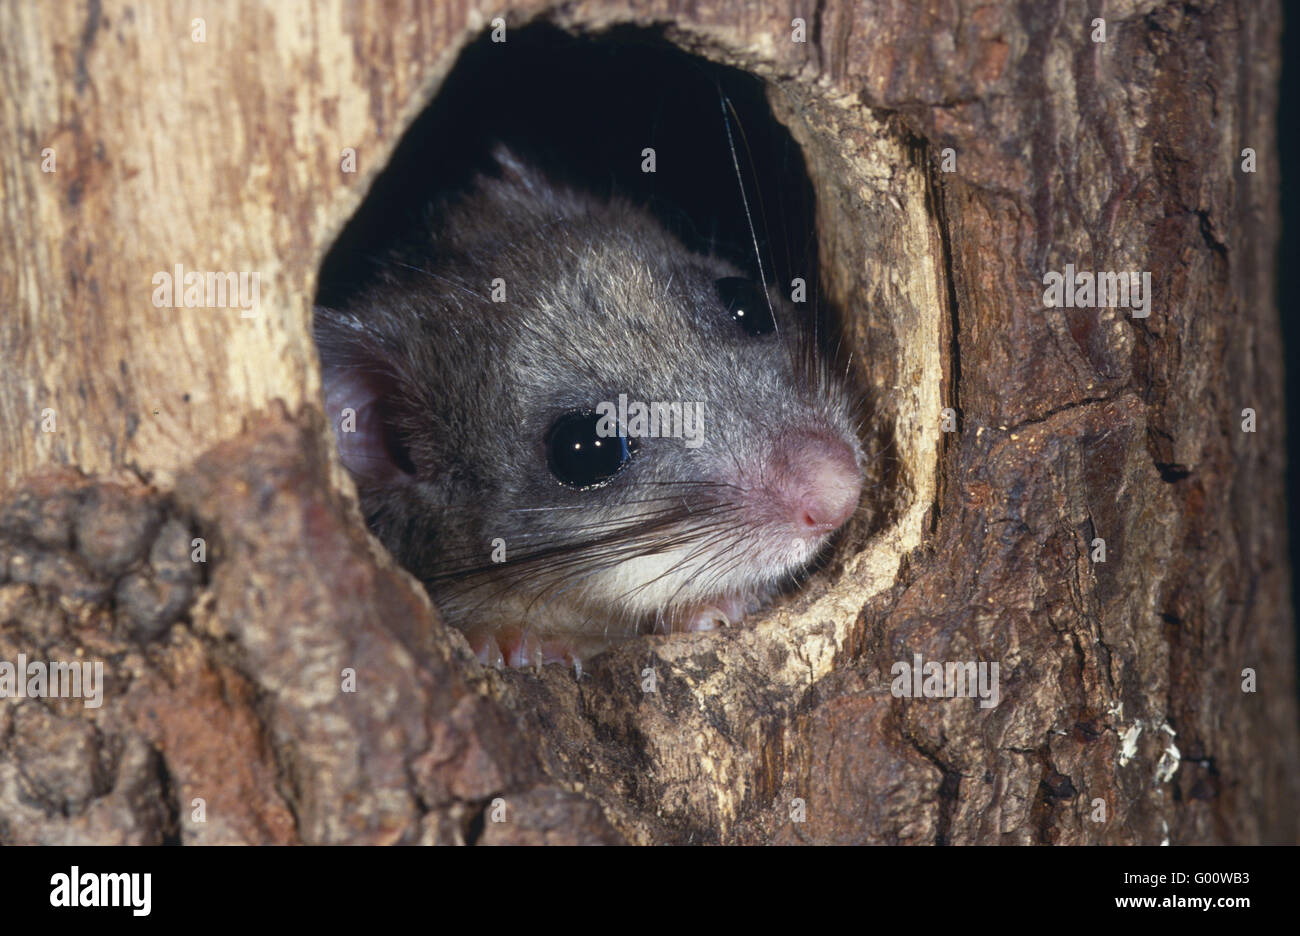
{"x": 815, "y": 482}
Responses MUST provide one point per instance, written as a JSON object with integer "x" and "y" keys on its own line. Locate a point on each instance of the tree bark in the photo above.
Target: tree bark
{"x": 128, "y": 432}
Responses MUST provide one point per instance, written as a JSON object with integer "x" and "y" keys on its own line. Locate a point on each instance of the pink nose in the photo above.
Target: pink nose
{"x": 817, "y": 482}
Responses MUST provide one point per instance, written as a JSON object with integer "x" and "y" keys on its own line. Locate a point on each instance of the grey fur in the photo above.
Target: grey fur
{"x": 601, "y": 300}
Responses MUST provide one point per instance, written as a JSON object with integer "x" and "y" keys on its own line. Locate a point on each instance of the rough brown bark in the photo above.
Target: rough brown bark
{"x": 1121, "y": 682}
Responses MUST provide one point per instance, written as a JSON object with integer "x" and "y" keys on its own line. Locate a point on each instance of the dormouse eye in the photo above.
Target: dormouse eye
{"x": 579, "y": 456}
{"x": 747, "y": 303}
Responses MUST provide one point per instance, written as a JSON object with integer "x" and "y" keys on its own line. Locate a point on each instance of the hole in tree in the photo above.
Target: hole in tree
{"x": 583, "y": 111}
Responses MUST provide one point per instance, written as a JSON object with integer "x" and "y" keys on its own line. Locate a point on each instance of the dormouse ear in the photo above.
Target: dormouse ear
{"x": 358, "y": 404}
{"x": 523, "y": 183}
{"x": 516, "y": 171}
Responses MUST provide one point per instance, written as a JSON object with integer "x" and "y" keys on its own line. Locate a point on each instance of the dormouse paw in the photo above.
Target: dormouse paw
{"x": 727, "y": 611}
{"x": 517, "y": 648}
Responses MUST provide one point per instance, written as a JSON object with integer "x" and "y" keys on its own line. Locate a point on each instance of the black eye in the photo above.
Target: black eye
{"x": 581, "y": 457}
{"x": 747, "y": 303}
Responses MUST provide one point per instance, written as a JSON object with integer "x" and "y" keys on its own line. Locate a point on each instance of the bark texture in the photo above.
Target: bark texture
{"x": 226, "y": 716}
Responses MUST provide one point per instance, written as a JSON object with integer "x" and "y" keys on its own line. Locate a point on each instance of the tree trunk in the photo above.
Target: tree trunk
{"x": 959, "y": 154}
